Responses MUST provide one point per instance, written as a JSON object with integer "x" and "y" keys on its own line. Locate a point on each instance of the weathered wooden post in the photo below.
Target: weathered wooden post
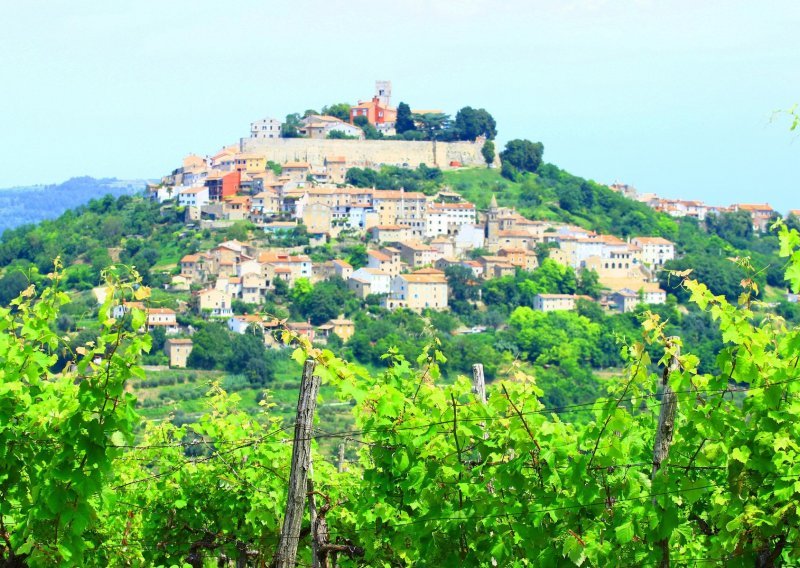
{"x": 286, "y": 555}
{"x": 666, "y": 427}
{"x": 478, "y": 382}
{"x": 340, "y": 466}
{"x": 669, "y": 404}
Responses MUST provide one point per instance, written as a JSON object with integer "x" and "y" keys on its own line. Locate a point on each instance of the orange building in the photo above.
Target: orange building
{"x": 221, "y": 185}
{"x": 375, "y": 112}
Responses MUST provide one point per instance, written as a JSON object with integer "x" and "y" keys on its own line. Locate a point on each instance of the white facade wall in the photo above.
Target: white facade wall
{"x": 265, "y": 128}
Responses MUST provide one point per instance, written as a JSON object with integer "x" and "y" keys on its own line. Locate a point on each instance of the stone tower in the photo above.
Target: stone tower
{"x": 492, "y": 225}
{"x": 383, "y": 92}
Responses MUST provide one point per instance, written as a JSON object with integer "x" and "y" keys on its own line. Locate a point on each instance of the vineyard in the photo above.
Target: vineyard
{"x": 670, "y": 467}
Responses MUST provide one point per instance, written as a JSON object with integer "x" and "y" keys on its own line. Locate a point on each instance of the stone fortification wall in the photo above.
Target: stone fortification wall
{"x": 366, "y": 153}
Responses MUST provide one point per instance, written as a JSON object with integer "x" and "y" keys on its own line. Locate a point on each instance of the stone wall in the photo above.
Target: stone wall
{"x": 366, "y": 153}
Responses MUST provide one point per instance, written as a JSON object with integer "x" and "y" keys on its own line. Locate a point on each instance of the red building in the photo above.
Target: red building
{"x": 221, "y": 185}
{"x": 375, "y": 112}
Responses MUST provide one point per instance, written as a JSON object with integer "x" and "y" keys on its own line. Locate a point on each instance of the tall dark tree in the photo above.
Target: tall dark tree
{"x": 11, "y": 285}
{"x": 471, "y": 123}
{"x": 488, "y": 152}
{"x": 404, "y": 122}
{"x": 521, "y": 156}
{"x": 211, "y": 348}
{"x": 290, "y": 128}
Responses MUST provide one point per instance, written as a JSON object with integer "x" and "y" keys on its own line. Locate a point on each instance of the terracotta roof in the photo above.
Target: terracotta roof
{"x": 379, "y": 255}
{"x": 249, "y": 318}
{"x": 425, "y": 278}
{"x": 652, "y": 241}
{"x": 160, "y": 311}
{"x": 296, "y": 165}
{"x": 397, "y": 194}
{"x": 373, "y": 271}
{"x": 193, "y": 190}
{"x": 179, "y": 341}
{"x": 754, "y": 206}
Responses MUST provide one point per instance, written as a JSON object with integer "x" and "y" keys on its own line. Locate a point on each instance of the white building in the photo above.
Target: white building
{"x": 240, "y": 324}
{"x": 448, "y": 218}
{"x": 193, "y": 196}
{"x": 265, "y": 128}
{"x": 553, "y": 302}
{"x": 655, "y": 250}
{"x": 365, "y": 281}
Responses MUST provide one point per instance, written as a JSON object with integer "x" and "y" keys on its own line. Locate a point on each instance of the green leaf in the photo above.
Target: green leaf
{"x": 742, "y": 454}
{"x": 624, "y": 532}
{"x": 180, "y": 504}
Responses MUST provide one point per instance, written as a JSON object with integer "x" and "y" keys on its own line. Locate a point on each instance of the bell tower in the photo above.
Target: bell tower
{"x": 383, "y": 92}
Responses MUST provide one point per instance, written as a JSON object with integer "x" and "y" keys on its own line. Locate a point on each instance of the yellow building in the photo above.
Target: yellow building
{"x": 426, "y": 288}
{"x": 250, "y": 163}
{"x": 178, "y": 351}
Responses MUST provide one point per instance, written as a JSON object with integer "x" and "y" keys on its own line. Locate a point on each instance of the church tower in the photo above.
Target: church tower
{"x": 383, "y": 91}
{"x": 492, "y": 225}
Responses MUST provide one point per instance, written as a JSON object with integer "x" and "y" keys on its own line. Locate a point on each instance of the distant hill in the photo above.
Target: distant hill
{"x": 35, "y": 203}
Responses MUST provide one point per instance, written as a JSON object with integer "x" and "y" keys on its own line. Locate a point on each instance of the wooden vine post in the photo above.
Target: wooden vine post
{"x": 666, "y": 426}
{"x": 286, "y": 555}
{"x": 340, "y": 465}
{"x": 479, "y": 383}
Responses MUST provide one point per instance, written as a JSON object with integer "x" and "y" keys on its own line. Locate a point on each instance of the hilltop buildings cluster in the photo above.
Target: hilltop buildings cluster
{"x": 412, "y": 238}
{"x": 762, "y": 214}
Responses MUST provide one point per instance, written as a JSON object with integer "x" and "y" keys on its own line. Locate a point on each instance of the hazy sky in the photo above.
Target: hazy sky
{"x": 674, "y": 97}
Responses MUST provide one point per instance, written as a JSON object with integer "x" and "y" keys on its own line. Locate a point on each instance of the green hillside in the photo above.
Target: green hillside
{"x": 554, "y": 194}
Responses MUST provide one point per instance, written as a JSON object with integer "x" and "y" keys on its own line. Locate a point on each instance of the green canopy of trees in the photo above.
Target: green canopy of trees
{"x": 521, "y": 156}
{"x": 471, "y": 123}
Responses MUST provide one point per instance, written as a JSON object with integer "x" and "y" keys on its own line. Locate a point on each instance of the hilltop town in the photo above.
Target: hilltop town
{"x": 411, "y": 238}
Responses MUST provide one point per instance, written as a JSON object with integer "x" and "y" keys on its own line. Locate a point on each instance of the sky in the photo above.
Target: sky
{"x": 675, "y": 97}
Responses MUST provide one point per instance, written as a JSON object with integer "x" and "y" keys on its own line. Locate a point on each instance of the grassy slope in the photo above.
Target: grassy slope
{"x": 541, "y": 196}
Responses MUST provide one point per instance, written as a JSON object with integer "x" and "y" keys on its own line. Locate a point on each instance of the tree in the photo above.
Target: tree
{"x": 291, "y": 128}
{"x": 471, "y": 123}
{"x": 11, "y": 285}
{"x": 432, "y": 123}
{"x": 357, "y": 256}
{"x": 370, "y": 132}
{"x": 404, "y": 122}
{"x": 461, "y": 283}
{"x": 340, "y": 135}
{"x": 589, "y": 283}
{"x": 521, "y": 156}
{"x": 338, "y": 110}
{"x": 488, "y": 153}
{"x": 211, "y": 347}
